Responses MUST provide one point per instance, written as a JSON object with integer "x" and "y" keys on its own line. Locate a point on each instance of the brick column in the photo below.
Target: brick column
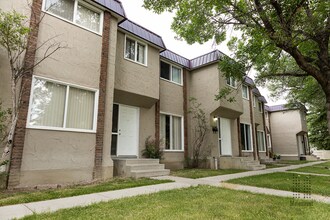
{"x": 97, "y": 174}
{"x": 265, "y": 129}
{"x": 157, "y": 121}
{"x": 252, "y": 126}
{"x": 185, "y": 112}
{"x": 239, "y": 136}
{"x": 29, "y": 60}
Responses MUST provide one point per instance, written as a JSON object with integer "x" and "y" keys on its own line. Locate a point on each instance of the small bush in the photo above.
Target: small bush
{"x": 152, "y": 149}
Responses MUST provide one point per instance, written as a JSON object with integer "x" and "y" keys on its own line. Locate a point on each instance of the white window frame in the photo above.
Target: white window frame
{"x": 250, "y": 137}
{"x": 260, "y": 105}
{"x": 171, "y": 131}
{"x": 247, "y": 92}
{"x": 232, "y": 82}
{"x": 170, "y": 80}
{"x": 68, "y": 85}
{"x": 269, "y": 141}
{"x": 254, "y": 101}
{"x": 75, "y": 8}
{"x": 135, "y": 55}
{"x": 263, "y": 136}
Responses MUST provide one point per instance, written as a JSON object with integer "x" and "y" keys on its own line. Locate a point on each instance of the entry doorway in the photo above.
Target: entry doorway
{"x": 224, "y": 136}
{"x": 125, "y": 131}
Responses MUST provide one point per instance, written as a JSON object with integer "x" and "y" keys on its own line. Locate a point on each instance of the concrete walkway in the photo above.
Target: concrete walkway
{"x": 21, "y": 210}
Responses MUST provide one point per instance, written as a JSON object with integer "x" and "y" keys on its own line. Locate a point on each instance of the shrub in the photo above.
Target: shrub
{"x": 152, "y": 149}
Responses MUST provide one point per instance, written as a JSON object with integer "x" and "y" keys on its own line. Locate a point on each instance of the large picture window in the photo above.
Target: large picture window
{"x": 246, "y": 137}
{"x": 77, "y": 12}
{"x": 171, "y": 132}
{"x": 63, "y": 107}
{"x": 170, "y": 72}
{"x": 135, "y": 51}
{"x": 261, "y": 141}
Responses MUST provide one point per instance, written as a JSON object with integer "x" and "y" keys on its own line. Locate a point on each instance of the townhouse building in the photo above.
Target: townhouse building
{"x": 87, "y": 111}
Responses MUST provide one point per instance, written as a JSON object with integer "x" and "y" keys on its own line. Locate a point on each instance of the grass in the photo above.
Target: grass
{"x": 285, "y": 181}
{"x": 202, "y": 202}
{"x": 200, "y": 173}
{"x": 9, "y": 198}
{"x": 275, "y": 165}
{"x": 323, "y": 168}
{"x": 294, "y": 162}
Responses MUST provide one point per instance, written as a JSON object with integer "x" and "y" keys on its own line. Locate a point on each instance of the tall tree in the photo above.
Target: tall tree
{"x": 278, "y": 38}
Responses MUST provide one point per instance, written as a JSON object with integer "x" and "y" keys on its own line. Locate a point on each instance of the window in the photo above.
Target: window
{"x": 231, "y": 82}
{"x": 171, "y": 132}
{"x": 261, "y": 141}
{"x": 170, "y": 72}
{"x": 62, "y": 107}
{"x": 245, "y": 92}
{"x": 246, "y": 137}
{"x": 260, "y": 107}
{"x": 255, "y": 101}
{"x": 269, "y": 141}
{"x": 77, "y": 12}
{"x": 266, "y": 115}
{"x": 135, "y": 51}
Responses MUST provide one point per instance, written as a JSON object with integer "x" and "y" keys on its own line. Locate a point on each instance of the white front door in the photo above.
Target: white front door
{"x": 225, "y": 136}
{"x": 128, "y": 131}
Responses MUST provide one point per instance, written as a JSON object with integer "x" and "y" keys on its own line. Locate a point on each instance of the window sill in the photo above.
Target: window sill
{"x": 247, "y": 151}
{"x": 72, "y": 23}
{"x": 61, "y": 129}
{"x": 233, "y": 87}
{"x": 133, "y": 61}
{"x": 246, "y": 98}
{"x": 166, "y": 80}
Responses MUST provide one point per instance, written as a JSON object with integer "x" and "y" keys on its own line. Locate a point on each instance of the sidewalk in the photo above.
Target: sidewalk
{"x": 21, "y": 210}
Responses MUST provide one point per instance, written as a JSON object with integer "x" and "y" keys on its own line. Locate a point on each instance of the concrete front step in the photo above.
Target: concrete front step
{"x": 142, "y": 161}
{"x": 149, "y": 173}
{"x": 137, "y": 167}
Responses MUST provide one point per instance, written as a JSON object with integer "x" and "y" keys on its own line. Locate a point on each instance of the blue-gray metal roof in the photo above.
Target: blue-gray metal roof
{"x": 276, "y": 108}
{"x": 205, "y": 59}
{"x": 175, "y": 58}
{"x": 262, "y": 99}
{"x": 113, "y": 5}
{"x": 256, "y": 91}
{"x": 248, "y": 81}
{"x": 142, "y": 32}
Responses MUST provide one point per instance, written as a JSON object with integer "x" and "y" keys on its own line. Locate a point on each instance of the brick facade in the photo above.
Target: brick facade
{"x": 29, "y": 60}
{"x": 102, "y": 94}
{"x": 185, "y": 112}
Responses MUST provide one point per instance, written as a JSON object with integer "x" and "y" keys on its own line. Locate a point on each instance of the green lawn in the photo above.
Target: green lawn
{"x": 200, "y": 173}
{"x": 202, "y": 202}
{"x": 285, "y": 181}
{"x": 323, "y": 168}
{"x": 294, "y": 162}
{"x": 9, "y": 198}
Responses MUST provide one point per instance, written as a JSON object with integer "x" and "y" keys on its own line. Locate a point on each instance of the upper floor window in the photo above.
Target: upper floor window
{"x": 245, "y": 92}
{"x": 231, "y": 81}
{"x": 260, "y": 107}
{"x": 170, "y": 72}
{"x": 255, "y": 101}
{"x": 135, "y": 51}
{"x": 59, "y": 106}
{"x": 77, "y": 12}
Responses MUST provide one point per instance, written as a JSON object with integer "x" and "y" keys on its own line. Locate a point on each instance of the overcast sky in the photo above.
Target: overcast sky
{"x": 161, "y": 25}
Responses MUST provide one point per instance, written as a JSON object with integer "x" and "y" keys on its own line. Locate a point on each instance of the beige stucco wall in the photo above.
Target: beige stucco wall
{"x": 284, "y": 126}
{"x": 136, "y": 81}
{"x": 146, "y": 127}
{"x": 171, "y": 102}
{"x": 5, "y": 92}
{"x": 57, "y": 157}
{"x": 246, "y": 116}
{"x": 171, "y": 98}
{"x": 62, "y": 157}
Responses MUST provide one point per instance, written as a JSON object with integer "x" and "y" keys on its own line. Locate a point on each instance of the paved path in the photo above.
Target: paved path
{"x": 21, "y": 210}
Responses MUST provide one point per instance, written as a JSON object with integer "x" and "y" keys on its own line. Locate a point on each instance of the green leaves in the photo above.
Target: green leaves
{"x": 13, "y": 33}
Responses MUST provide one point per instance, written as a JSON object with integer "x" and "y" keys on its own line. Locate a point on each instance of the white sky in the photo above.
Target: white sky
{"x": 161, "y": 25}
